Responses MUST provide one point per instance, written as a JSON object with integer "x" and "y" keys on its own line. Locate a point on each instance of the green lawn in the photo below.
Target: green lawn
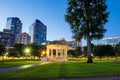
{"x": 17, "y": 62}
{"x": 67, "y": 70}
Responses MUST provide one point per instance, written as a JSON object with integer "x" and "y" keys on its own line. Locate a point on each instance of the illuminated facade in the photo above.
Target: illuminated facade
{"x": 56, "y": 51}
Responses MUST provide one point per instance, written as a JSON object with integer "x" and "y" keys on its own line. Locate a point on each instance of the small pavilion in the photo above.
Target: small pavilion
{"x": 56, "y": 51}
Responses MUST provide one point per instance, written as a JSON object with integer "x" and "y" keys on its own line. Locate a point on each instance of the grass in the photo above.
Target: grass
{"x": 67, "y": 70}
{"x": 17, "y": 62}
{"x": 95, "y": 59}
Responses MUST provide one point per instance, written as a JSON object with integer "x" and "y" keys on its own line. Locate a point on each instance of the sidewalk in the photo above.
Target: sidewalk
{"x": 21, "y": 67}
{"x": 16, "y": 68}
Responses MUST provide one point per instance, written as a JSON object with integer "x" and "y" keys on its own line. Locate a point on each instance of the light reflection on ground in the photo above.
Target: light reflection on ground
{"x": 22, "y": 67}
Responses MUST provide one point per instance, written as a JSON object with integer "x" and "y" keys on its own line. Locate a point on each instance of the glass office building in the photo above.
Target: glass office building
{"x": 112, "y": 40}
{"x": 38, "y": 32}
{"x": 15, "y": 26}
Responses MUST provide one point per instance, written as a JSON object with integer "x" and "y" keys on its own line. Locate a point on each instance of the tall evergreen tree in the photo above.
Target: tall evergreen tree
{"x": 87, "y": 19}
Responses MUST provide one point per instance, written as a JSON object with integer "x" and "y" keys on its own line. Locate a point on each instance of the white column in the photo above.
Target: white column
{"x": 48, "y": 52}
{"x": 56, "y": 52}
{"x": 66, "y": 53}
{"x": 61, "y": 53}
{"x": 51, "y": 52}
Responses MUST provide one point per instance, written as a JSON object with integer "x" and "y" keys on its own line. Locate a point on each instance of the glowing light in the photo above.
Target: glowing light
{"x": 43, "y": 52}
{"x": 27, "y": 50}
{"x": 92, "y": 55}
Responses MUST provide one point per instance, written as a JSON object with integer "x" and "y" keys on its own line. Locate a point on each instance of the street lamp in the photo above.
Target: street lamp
{"x": 27, "y": 52}
{"x": 43, "y": 53}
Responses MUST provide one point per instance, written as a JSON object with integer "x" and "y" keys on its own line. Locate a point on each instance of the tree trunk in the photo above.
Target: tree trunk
{"x": 34, "y": 57}
{"x": 89, "y": 50}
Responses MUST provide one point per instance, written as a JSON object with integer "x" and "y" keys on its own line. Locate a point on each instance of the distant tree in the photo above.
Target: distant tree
{"x": 109, "y": 50}
{"x": 14, "y": 53}
{"x": 98, "y": 51}
{"x": 41, "y": 49}
{"x": 117, "y": 50}
{"x": 71, "y": 53}
{"x": 84, "y": 52}
{"x": 19, "y": 48}
{"x": 104, "y": 50}
{"x": 35, "y": 50}
{"x": 2, "y": 49}
{"x": 75, "y": 53}
{"x": 78, "y": 51}
{"x": 87, "y": 19}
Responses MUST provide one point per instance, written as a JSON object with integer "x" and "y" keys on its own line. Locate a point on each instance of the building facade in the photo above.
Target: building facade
{"x": 56, "y": 51}
{"x": 15, "y": 26}
{"x": 23, "y": 38}
{"x": 73, "y": 44}
{"x": 6, "y": 38}
{"x": 38, "y": 32}
{"x": 111, "y": 40}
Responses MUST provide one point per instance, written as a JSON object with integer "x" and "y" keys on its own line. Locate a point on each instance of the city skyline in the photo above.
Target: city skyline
{"x": 51, "y": 13}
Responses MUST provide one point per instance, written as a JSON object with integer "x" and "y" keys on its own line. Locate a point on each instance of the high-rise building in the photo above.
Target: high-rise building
{"x": 73, "y": 44}
{"x": 38, "y": 32}
{"x": 6, "y": 38}
{"x": 15, "y": 26}
{"x": 23, "y": 38}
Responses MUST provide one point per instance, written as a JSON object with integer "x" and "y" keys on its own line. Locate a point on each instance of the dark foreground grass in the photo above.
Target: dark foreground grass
{"x": 67, "y": 70}
{"x": 10, "y": 63}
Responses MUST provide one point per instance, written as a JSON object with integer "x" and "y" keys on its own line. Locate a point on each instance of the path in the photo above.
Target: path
{"x": 16, "y": 68}
{"x": 21, "y": 67}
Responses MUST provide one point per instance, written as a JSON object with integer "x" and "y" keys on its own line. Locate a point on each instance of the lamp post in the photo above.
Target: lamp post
{"x": 43, "y": 54}
{"x": 27, "y": 51}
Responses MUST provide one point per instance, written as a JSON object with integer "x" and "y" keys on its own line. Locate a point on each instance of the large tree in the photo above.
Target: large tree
{"x": 87, "y": 19}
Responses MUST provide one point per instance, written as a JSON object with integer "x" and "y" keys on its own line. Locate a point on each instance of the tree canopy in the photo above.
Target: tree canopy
{"x": 87, "y": 19}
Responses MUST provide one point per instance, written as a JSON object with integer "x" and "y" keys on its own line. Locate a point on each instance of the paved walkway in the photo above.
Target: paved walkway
{"x": 21, "y": 67}
{"x": 16, "y": 68}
